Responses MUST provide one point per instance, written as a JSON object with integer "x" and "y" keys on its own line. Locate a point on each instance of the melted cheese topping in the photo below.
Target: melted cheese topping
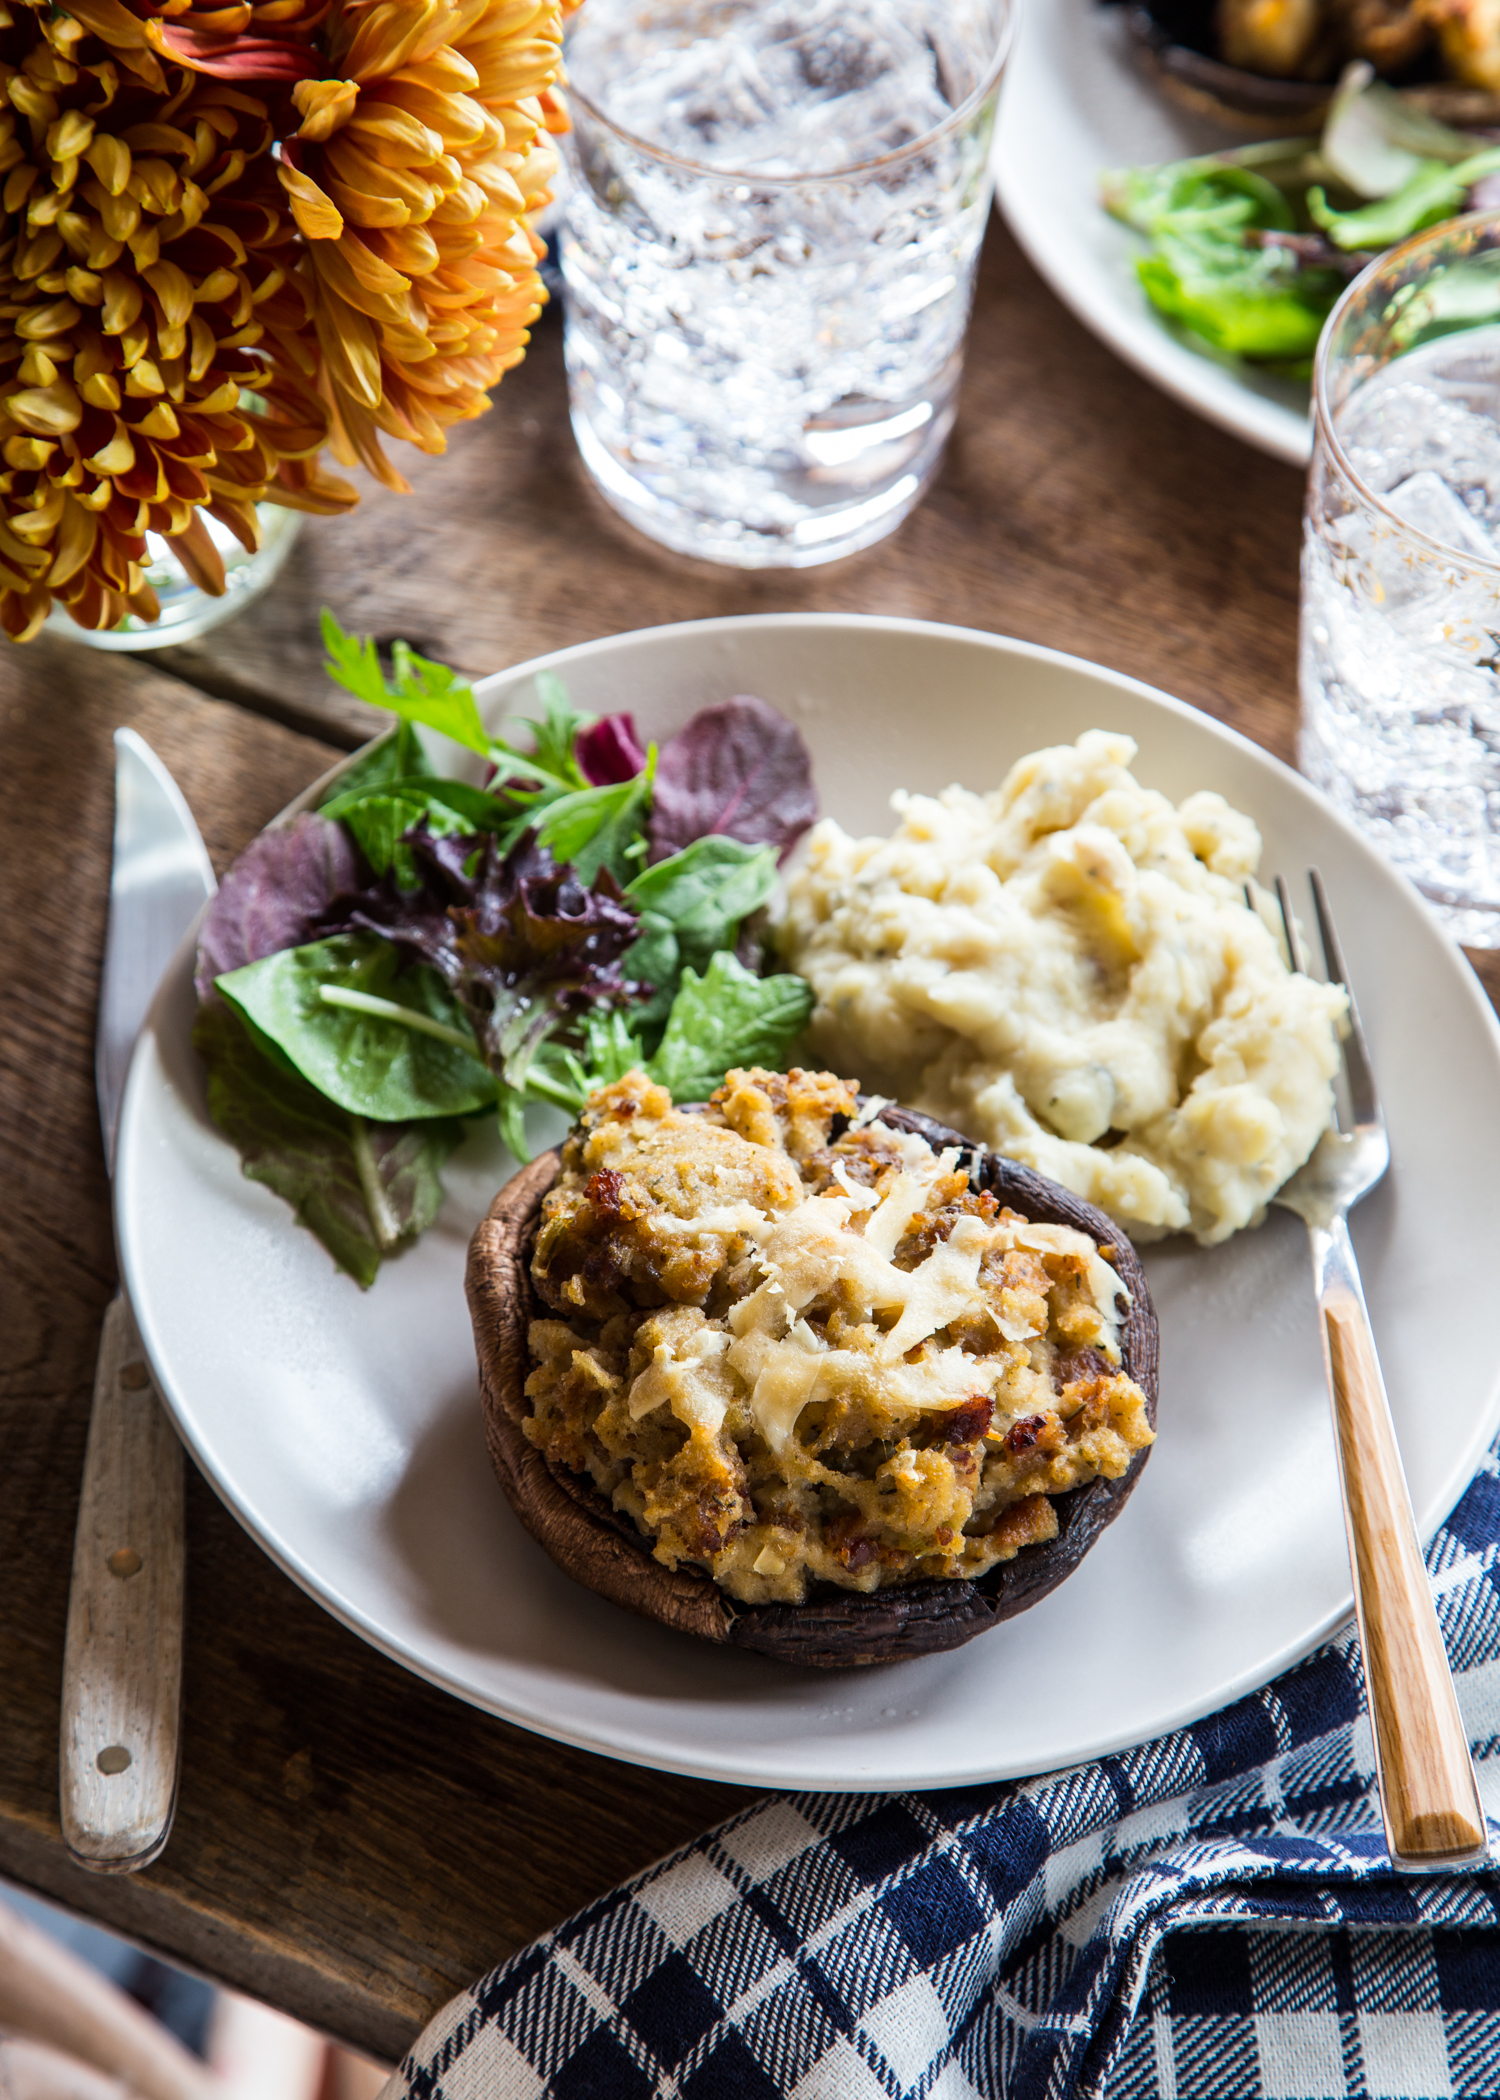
{"x": 795, "y": 1348}
{"x": 828, "y": 1245}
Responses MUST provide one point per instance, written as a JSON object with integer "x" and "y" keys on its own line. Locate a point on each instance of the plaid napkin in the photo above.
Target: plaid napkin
{"x": 1208, "y": 1917}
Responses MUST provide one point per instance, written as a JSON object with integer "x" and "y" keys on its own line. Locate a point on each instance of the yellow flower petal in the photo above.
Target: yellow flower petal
{"x": 353, "y": 354}
{"x": 410, "y": 248}
{"x": 446, "y": 72}
{"x": 101, "y": 390}
{"x": 70, "y": 135}
{"x": 457, "y": 119}
{"x": 49, "y": 411}
{"x": 76, "y": 535}
{"x": 361, "y": 209}
{"x": 324, "y": 106}
{"x": 159, "y": 421}
{"x": 174, "y": 288}
{"x": 356, "y": 171}
{"x": 314, "y": 211}
{"x": 44, "y": 321}
{"x": 390, "y": 35}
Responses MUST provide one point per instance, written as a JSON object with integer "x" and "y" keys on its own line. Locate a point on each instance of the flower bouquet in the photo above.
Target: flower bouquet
{"x": 234, "y": 235}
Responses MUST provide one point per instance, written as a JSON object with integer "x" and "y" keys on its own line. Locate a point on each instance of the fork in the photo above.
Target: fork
{"x": 1429, "y": 1797}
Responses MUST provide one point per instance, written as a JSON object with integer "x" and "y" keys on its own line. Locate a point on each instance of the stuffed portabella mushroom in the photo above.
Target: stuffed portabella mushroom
{"x": 805, "y": 1373}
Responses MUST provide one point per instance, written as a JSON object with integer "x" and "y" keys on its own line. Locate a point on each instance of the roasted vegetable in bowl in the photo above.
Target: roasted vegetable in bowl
{"x": 1307, "y": 43}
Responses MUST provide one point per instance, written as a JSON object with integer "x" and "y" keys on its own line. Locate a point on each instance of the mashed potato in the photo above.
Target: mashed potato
{"x": 1067, "y": 970}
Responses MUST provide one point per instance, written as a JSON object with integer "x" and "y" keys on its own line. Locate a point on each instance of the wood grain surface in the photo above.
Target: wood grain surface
{"x": 349, "y": 1843}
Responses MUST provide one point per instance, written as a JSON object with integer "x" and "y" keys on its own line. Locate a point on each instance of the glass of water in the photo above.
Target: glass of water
{"x": 1401, "y": 568}
{"x": 768, "y": 252}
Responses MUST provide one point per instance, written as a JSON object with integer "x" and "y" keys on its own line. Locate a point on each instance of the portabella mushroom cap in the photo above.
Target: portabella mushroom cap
{"x": 836, "y": 1628}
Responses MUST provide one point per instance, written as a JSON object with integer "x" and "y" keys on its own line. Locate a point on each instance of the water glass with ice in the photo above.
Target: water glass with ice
{"x": 1400, "y": 668}
{"x": 768, "y": 251}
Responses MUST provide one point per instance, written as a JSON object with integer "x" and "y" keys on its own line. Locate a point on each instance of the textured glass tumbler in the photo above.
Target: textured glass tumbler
{"x": 764, "y": 367}
{"x": 1400, "y": 651}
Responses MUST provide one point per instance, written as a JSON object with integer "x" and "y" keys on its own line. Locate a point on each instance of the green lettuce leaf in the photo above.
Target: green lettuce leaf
{"x": 727, "y": 1017}
{"x": 364, "y": 1189}
{"x": 1206, "y": 271}
{"x": 395, "y": 756}
{"x": 705, "y": 891}
{"x": 1374, "y": 139}
{"x": 555, "y": 735}
{"x": 1435, "y": 190}
{"x": 1246, "y": 300}
{"x": 1250, "y": 306}
{"x": 378, "y": 824}
{"x": 597, "y": 827}
{"x": 1209, "y": 197}
{"x": 414, "y": 1059}
{"x": 379, "y": 818}
{"x": 690, "y": 906}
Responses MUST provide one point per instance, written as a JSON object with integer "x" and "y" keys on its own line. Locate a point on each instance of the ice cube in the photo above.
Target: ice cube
{"x": 779, "y": 86}
{"x": 1425, "y": 500}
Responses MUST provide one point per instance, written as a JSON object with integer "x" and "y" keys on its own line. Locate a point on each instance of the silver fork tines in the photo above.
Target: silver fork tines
{"x": 1358, "y": 1070}
{"x": 1428, "y": 1794}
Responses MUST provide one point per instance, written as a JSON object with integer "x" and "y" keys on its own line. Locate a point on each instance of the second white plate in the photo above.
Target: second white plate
{"x": 1075, "y": 103}
{"x": 344, "y": 1427}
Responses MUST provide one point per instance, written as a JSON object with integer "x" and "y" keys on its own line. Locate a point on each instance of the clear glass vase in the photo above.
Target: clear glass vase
{"x": 187, "y": 611}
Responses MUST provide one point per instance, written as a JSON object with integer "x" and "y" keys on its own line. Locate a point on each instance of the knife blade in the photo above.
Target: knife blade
{"x": 122, "y": 1663}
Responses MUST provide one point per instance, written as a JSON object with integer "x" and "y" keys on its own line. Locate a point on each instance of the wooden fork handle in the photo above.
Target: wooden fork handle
{"x": 1428, "y": 1793}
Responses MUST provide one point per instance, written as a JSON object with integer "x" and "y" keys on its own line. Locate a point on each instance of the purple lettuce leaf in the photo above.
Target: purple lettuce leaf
{"x": 519, "y": 940}
{"x": 610, "y": 751}
{"x": 271, "y": 898}
{"x": 737, "y": 770}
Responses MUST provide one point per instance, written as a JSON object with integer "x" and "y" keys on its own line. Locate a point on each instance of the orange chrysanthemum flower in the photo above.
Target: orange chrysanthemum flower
{"x": 412, "y": 177}
{"x": 188, "y": 319}
{"x": 146, "y": 283}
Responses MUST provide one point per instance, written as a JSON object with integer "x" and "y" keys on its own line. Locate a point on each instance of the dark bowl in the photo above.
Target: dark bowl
{"x": 1250, "y": 102}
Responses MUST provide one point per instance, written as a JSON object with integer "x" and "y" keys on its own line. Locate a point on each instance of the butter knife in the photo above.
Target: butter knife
{"x": 122, "y": 1665}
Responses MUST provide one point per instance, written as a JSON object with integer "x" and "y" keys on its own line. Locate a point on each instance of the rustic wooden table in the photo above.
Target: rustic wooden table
{"x": 350, "y": 1844}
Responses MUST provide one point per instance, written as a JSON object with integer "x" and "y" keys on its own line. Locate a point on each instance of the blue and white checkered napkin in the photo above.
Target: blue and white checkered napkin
{"x": 1209, "y": 1917}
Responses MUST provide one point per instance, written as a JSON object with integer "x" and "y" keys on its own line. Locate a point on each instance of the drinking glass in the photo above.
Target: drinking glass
{"x": 768, "y": 250}
{"x": 1400, "y": 655}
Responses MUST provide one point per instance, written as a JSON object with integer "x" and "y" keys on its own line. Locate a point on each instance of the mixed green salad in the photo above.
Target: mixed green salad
{"x": 1250, "y": 249}
{"x": 419, "y": 950}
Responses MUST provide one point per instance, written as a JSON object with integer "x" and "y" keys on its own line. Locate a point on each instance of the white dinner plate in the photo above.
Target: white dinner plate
{"x": 1074, "y": 104}
{"x": 343, "y": 1427}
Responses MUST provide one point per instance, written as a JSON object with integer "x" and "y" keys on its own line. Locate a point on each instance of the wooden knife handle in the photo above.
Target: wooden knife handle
{"x": 122, "y": 1667}
{"x": 1428, "y": 1791}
